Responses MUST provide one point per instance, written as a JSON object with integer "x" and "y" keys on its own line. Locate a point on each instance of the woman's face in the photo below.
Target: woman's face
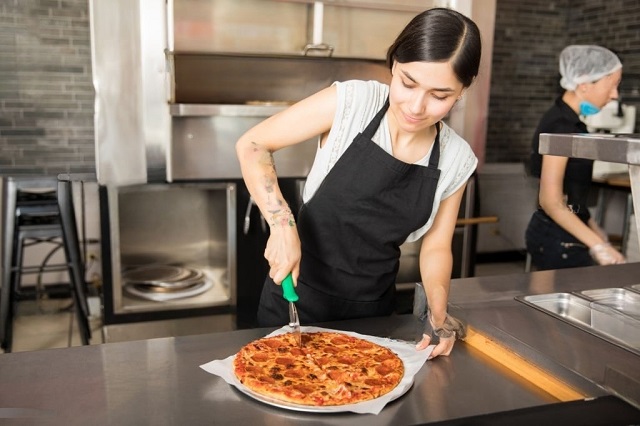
{"x": 603, "y": 91}
{"x": 422, "y": 93}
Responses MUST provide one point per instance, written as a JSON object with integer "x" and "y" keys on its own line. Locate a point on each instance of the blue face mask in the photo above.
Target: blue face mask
{"x": 587, "y": 108}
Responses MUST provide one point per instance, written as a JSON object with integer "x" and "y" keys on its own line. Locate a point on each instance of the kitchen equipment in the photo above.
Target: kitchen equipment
{"x": 620, "y": 299}
{"x": 161, "y": 283}
{"x": 614, "y": 117}
{"x": 601, "y": 318}
{"x": 168, "y": 250}
{"x": 290, "y": 295}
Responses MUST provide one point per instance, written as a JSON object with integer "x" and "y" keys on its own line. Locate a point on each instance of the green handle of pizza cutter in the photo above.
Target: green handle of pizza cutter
{"x": 288, "y": 291}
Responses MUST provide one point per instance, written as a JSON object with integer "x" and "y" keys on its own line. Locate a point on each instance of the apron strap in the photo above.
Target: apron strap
{"x": 434, "y": 158}
{"x": 373, "y": 125}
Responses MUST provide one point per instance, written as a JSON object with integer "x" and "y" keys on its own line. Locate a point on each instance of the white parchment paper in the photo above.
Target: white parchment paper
{"x": 413, "y": 360}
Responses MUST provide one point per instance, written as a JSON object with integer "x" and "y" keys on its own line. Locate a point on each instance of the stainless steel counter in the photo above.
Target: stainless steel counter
{"x": 488, "y": 305}
{"x": 159, "y": 381}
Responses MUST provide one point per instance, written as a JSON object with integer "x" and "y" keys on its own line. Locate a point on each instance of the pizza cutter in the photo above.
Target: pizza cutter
{"x": 290, "y": 295}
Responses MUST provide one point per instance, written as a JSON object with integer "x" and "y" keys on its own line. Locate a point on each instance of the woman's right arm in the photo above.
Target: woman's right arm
{"x": 304, "y": 120}
{"x": 551, "y": 199}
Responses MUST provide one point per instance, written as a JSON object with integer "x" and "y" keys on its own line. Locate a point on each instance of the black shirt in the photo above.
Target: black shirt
{"x": 560, "y": 118}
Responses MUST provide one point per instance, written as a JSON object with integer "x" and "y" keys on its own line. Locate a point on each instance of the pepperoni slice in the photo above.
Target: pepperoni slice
{"x": 335, "y": 374}
{"x": 373, "y": 382}
{"x": 284, "y": 361}
{"x": 331, "y": 350}
{"x": 363, "y": 345}
{"x": 323, "y": 360}
{"x": 345, "y": 360}
{"x": 260, "y": 357}
{"x": 383, "y": 370}
{"x": 340, "y": 340}
{"x": 266, "y": 379}
{"x": 383, "y": 356}
{"x": 293, "y": 374}
{"x": 305, "y": 389}
{"x": 273, "y": 344}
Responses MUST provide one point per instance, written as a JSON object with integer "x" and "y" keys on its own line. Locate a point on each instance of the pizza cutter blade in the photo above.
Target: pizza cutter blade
{"x": 290, "y": 295}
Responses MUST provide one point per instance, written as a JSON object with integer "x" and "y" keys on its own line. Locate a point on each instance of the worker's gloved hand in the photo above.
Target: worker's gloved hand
{"x": 605, "y": 254}
{"x": 452, "y": 328}
{"x": 442, "y": 337}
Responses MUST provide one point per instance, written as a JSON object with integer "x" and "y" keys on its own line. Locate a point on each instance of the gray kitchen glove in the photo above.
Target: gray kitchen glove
{"x": 452, "y": 326}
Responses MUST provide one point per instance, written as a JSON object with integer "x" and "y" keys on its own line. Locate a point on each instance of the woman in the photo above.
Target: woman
{"x": 387, "y": 170}
{"x": 562, "y": 233}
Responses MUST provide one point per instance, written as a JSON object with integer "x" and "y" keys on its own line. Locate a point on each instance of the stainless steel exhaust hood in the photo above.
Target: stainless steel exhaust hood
{"x": 145, "y": 125}
{"x": 217, "y": 97}
{"x": 152, "y": 62}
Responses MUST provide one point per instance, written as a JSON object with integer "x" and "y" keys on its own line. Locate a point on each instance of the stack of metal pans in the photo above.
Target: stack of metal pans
{"x": 165, "y": 282}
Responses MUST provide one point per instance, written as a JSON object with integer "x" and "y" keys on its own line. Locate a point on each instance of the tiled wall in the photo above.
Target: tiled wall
{"x": 529, "y": 36}
{"x": 46, "y": 96}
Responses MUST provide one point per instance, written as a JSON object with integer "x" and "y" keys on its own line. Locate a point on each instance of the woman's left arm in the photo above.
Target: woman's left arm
{"x": 436, "y": 264}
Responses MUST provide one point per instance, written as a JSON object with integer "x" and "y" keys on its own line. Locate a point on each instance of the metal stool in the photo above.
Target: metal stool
{"x": 38, "y": 210}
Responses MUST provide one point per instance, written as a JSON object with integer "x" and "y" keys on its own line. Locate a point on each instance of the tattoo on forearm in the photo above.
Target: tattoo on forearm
{"x": 270, "y": 180}
{"x": 283, "y": 217}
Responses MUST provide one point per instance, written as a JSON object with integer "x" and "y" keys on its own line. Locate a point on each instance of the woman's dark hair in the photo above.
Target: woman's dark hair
{"x": 440, "y": 35}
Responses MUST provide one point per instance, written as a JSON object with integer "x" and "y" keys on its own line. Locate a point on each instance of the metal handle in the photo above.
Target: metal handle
{"x": 320, "y": 48}
{"x": 247, "y": 216}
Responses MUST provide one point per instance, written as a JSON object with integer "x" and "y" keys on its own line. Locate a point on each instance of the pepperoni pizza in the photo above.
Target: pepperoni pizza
{"x": 329, "y": 369}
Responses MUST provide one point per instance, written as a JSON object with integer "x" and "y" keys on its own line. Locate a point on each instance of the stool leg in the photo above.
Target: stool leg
{"x": 74, "y": 259}
{"x": 7, "y": 303}
{"x": 8, "y": 224}
{"x": 4, "y": 310}
{"x": 13, "y": 286}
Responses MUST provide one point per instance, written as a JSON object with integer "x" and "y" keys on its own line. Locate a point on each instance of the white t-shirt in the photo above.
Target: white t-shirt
{"x": 358, "y": 103}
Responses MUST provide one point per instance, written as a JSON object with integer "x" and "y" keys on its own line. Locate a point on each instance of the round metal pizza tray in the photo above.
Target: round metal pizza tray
{"x": 156, "y": 273}
{"x": 152, "y": 288}
{"x": 413, "y": 361}
{"x": 194, "y": 278}
{"x": 164, "y": 277}
{"x": 308, "y": 408}
{"x": 170, "y": 295}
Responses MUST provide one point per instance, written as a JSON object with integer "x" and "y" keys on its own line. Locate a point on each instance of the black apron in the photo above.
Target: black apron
{"x": 351, "y": 231}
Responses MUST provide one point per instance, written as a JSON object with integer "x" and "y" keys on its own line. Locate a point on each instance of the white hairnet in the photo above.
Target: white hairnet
{"x": 586, "y": 64}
